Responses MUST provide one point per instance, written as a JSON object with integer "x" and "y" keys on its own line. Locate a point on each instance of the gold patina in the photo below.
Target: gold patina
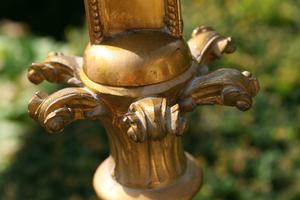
{"x": 140, "y": 78}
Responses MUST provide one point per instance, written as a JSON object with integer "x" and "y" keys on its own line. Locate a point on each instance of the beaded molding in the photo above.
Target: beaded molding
{"x": 173, "y": 19}
{"x": 94, "y": 21}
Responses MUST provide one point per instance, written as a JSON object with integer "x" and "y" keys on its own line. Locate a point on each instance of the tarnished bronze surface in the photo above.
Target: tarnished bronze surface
{"x": 137, "y": 59}
{"x": 139, "y": 78}
{"x": 107, "y": 17}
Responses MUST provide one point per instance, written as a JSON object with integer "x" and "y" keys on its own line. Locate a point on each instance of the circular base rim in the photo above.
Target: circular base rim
{"x": 107, "y": 188}
{"x": 147, "y": 90}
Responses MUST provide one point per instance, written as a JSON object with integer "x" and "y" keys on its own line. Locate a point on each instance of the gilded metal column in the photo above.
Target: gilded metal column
{"x": 139, "y": 78}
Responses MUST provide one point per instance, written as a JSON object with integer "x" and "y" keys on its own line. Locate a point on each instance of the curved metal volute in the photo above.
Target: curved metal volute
{"x": 56, "y": 111}
{"x": 207, "y": 45}
{"x": 57, "y": 68}
{"x": 139, "y": 77}
{"x": 228, "y": 87}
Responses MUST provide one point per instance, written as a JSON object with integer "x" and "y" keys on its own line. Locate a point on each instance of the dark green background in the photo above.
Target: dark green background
{"x": 245, "y": 156}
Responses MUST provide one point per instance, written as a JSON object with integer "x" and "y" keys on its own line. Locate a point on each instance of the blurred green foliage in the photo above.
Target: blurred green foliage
{"x": 245, "y": 156}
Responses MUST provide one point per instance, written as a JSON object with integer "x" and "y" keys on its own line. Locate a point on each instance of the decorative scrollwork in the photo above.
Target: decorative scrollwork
{"x": 143, "y": 119}
{"x": 153, "y": 118}
{"x": 207, "y": 45}
{"x": 227, "y": 87}
{"x": 56, "y": 111}
{"x": 57, "y": 68}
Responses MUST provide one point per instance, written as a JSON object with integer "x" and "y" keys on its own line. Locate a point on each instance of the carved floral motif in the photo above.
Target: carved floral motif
{"x": 144, "y": 130}
{"x": 153, "y": 119}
